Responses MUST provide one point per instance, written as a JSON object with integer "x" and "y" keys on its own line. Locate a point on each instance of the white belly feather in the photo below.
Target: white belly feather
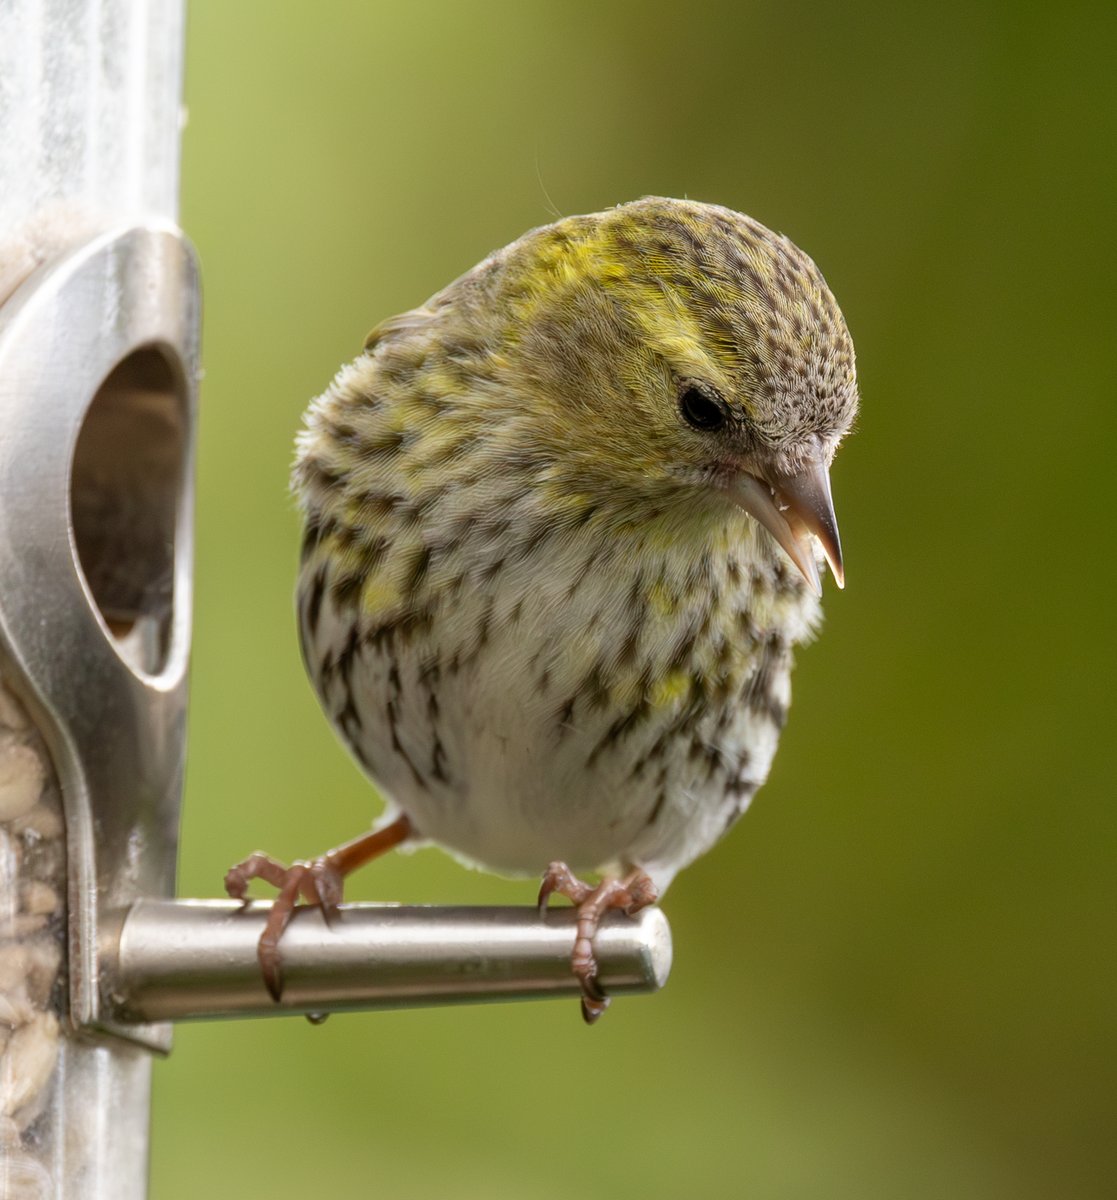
{"x": 496, "y": 736}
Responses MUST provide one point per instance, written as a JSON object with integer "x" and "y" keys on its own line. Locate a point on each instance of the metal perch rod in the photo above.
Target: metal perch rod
{"x": 196, "y": 959}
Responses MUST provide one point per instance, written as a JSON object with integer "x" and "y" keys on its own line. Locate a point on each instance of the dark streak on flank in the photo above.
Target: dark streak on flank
{"x": 393, "y": 721}
{"x": 346, "y": 589}
{"x": 417, "y": 570}
{"x": 741, "y": 791}
{"x": 438, "y": 760}
{"x": 657, "y": 807}
{"x": 314, "y": 473}
{"x": 318, "y": 528}
{"x": 759, "y": 692}
{"x": 387, "y": 443}
{"x": 349, "y": 716}
{"x": 619, "y": 729}
{"x": 313, "y": 608}
{"x": 582, "y": 572}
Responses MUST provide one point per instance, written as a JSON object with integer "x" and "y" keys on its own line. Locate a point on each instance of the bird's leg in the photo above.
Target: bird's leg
{"x": 318, "y": 881}
{"x": 630, "y": 894}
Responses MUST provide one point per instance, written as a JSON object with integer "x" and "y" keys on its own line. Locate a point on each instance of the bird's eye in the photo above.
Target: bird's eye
{"x": 701, "y": 407}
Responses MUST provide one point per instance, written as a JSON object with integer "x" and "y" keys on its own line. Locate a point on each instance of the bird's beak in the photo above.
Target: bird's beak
{"x": 795, "y": 508}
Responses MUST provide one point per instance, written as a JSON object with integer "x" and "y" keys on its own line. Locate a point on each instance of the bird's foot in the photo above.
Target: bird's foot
{"x": 630, "y": 894}
{"x": 317, "y": 881}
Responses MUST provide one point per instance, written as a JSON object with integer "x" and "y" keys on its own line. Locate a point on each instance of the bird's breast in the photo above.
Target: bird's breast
{"x": 587, "y": 700}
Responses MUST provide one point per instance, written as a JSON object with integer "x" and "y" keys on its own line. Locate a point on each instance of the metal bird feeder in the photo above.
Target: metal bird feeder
{"x": 99, "y": 320}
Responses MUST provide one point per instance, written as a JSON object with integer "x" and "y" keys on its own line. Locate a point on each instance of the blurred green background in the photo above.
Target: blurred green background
{"x": 896, "y": 978}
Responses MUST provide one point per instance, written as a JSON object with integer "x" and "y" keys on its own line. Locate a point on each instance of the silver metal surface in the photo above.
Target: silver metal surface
{"x": 90, "y": 121}
{"x": 196, "y": 959}
{"x": 100, "y": 661}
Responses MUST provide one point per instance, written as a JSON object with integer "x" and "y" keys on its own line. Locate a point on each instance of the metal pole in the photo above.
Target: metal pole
{"x": 196, "y": 959}
{"x": 90, "y": 113}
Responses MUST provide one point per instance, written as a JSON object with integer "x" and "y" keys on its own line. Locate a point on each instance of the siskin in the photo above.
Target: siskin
{"x": 564, "y": 525}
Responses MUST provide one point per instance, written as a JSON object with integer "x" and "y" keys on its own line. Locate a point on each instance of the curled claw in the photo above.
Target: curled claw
{"x": 255, "y": 866}
{"x": 594, "y": 1000}
{"x": 297, "y": 878}
{"x": 630, "y": 894}
{"x": 559, "y": 878}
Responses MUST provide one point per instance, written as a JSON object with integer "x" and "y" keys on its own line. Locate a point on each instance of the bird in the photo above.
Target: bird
{"x": 563, "y": 528}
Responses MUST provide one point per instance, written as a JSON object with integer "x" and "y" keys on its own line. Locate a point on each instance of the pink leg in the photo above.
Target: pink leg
{"x": 318, "y": 881}
{"x": 630, "y": 894}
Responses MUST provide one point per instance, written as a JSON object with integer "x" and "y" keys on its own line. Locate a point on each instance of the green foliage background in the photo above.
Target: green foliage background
{"x": 896, "y": 978}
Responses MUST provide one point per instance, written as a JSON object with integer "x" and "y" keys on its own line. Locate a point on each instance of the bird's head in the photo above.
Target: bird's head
{"x": 667, "y": 348}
